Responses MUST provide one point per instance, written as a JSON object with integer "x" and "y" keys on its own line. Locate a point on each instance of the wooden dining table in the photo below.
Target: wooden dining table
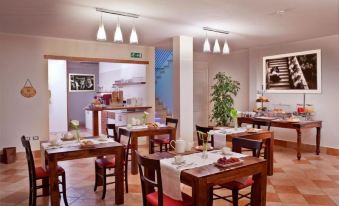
{"x": 149, "y": 132}
{"x": 262, "y": 135}
{"x": 202, "y": 179}
{"x": 77, "y": 152}
{"x": 298, "y": 126}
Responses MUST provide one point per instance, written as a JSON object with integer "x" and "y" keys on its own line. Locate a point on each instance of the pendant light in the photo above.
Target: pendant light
{"x": 134, "y": 37}
{"x": 207, "y": 46}
{"x": 101, "y": 34}
{"x": 216, "y": 48}
{"x": 118, "y": 34}
{"x": 226, "y": 49}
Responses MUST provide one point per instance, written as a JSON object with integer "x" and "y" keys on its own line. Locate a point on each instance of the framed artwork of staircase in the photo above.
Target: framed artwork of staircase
{"x": 298, "y": 72}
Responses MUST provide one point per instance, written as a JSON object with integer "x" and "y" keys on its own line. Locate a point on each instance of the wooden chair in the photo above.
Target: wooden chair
{"x": 164, "y": 139}
{"x": 202, "y": 134}
{"x": 150, "y": 196}
{"x": 258, "y": 123}
{"x": 104, "y": 164}
{"x": 237, "y": 145}
{"x": 38, "y": 173}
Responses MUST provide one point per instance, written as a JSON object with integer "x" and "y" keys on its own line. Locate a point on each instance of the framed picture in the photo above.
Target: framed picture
{"x": 81, "y": 82}
{"x": 293, "y": 73}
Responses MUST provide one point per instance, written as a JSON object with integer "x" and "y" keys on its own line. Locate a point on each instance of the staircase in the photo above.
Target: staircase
{"x": 161, "y": 111}
{"x": 282, "y": 64}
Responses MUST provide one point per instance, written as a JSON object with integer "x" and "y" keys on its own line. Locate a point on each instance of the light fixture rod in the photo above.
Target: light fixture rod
{"x": 119, "y": 13}
{"x": 215, "y": 30}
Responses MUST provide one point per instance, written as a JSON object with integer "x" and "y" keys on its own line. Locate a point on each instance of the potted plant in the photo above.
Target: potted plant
{"x": 222, "y": 95}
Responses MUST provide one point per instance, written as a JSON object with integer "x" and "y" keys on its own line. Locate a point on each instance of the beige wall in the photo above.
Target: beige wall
{"x": 21, "y": 57}
{"x": 326, "y": 103}
{"x": 235, "y": 65}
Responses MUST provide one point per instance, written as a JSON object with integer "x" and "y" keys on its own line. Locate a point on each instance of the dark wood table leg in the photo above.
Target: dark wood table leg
{"x": 95, "y": 123}
{"x": 45, "y": 190}
{"x": 269, "y": 154}
{"x": 134, "y": 147}
{"x": 53, "y": 181}
{"x": 200, "y": 191}
{"x": 150, "y": 145}
{"x": 119, "y": 177}
{"x": 298, "y": 144}
{"x": 258, "y": 196}
{"x": 318, "y": 140}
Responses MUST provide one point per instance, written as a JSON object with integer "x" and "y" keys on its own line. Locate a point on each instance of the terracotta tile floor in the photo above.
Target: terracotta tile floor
{"x": 312, "y": 181}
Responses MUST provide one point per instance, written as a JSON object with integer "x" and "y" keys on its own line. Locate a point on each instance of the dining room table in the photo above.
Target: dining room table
{"x": 202, "y": 175}
{"x": 70, "y": 150}
{"x": 136, "y": 132}
{"x": 299, "y": 126}
{"x": 256, "y": 134}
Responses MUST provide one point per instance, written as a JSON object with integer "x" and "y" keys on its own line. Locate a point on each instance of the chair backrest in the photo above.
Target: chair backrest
{"x": 239, "y": 143}
{"x": 115, "y": 134}
{"x": 30, "y": 160}
{"x": 202, "y": 134}
{"x": 150, "y": 177}
{"x": 172, "y": 121}
{"x": 258, "y": 123}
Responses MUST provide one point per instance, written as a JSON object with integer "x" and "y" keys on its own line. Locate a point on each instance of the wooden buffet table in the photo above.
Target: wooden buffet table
{"x": 134, "y": 134}
{"x": 76, "y": 152}
{"x": 298, "y": 126}
{"x": 95, "y": 114}
{"x": 202, "y": 179}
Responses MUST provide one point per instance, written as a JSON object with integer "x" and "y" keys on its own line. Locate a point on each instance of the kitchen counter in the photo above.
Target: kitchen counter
{"x": 96, "y": 110}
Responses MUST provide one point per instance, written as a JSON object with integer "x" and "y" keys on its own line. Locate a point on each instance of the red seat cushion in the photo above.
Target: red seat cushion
{"x": 152, "y": 198}
{"x": 238, "y": 185}
{"x": 105, "y": 162}
{"x": 41, "y": 173}
{"x": 162, "y": 139}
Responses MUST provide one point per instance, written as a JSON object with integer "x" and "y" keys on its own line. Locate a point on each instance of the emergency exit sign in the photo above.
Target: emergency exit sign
{"x": 137, "y": 55}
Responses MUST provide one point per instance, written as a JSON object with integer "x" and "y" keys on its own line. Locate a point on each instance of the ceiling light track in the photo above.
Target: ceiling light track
{"x": 119, "y": 13}
{"x": 215, "y": 30}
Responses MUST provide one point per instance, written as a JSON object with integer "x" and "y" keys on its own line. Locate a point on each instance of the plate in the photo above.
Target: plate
{"x": 229, "y": 165}
{"x": 201, "y": 149}
{"x": 178, "y": 163}
{"x": 64, "y": 139}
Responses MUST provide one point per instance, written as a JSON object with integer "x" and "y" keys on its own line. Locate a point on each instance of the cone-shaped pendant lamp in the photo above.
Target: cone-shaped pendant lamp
{"x": 134, "y": 37}
{"x": 226, "y": 49}
{"x": 101, "y": 34}
{"x": 216, "y": 48}
{"x": 118, "y": 34}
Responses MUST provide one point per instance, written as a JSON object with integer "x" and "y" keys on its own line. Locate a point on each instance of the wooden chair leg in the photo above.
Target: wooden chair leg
{"x": 166, "y": 148}
{"x": 126, "y": 175}
{"x": 64, "y": 189}
{"x": 34, "y": 195}
{"x": 30, "y": 196}
{"x": 160, "y": 147}
{"x": 104, "y": 184}
{"x": 96, "y": 178}
{"x": 235, "y": 194}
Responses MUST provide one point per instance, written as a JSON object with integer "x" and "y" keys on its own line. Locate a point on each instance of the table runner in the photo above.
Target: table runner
{"x": 170, "y": 173}
{"x": 61, "y": 144}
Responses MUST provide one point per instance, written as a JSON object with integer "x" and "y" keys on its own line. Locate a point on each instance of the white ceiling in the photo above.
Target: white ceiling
{"x": 251, "y": 22}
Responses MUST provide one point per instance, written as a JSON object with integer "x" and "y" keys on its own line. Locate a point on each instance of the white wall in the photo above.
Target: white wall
{"x": 21, "y": 57}
{"x": 110, "y": 72}
{"x": 235, "y": 65}
{"x": 57, "y": 84}
{"x": 326, "y": 103}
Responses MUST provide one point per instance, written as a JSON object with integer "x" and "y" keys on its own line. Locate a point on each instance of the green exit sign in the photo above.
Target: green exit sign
{"x": 136, "y": 55}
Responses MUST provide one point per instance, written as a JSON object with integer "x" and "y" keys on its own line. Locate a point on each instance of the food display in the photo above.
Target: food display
{"x": 152, "y": 125}
{"x": 227, "y": 162}
{"x": 293, "y": 119}
{"x": 87, "y": 143}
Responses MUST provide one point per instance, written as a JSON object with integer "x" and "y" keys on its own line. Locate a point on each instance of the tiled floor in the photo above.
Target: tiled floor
{"x": 312, "y": 181}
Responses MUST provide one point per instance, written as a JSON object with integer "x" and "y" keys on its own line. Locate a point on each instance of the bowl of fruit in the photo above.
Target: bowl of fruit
{"x": 228, "y": 162}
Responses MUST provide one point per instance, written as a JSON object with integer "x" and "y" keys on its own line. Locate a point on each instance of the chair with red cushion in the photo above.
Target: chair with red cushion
{"x": 163, "y": 139}
{"x": 202, "y": 133}
{"x": 38, "y": 173}
{"x": 235, "y": 186}
{"x": 105, "y": 164}
{"x": 150, "y": 196}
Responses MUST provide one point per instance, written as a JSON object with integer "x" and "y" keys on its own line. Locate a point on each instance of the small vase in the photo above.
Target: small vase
{"x": 235, "y": 123}
{"x": 204, "y": 150}
{"x": 78, "y": 135}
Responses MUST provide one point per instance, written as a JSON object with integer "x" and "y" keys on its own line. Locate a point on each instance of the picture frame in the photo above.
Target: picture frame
{"x": 298, "y": 72}
{"x": 81, "y": 82}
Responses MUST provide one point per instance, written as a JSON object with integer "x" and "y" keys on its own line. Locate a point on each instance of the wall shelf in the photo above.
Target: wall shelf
{"x": 128, "y": 84}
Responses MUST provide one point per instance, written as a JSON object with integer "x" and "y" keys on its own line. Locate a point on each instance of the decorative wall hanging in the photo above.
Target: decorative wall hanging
{"x": 81, "y": 82}
{"x": 28, "y": 90}
{"x": 293, "y": 73}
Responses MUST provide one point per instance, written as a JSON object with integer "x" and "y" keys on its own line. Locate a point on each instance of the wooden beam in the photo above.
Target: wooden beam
{"x": 92, "y": 59}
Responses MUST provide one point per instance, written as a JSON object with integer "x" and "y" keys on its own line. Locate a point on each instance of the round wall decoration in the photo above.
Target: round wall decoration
{"x": 28, "y": 90}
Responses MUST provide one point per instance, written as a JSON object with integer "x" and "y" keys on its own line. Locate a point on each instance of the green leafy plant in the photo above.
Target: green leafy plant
{"x": 222, "y": 95}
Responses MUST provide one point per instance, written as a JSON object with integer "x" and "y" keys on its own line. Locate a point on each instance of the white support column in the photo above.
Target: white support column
{"x": 183, "y": 85}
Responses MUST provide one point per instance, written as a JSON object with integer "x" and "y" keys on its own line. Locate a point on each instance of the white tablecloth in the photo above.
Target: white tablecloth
{"x": 170, "y": 173}
{"x": 61, "y": 144}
